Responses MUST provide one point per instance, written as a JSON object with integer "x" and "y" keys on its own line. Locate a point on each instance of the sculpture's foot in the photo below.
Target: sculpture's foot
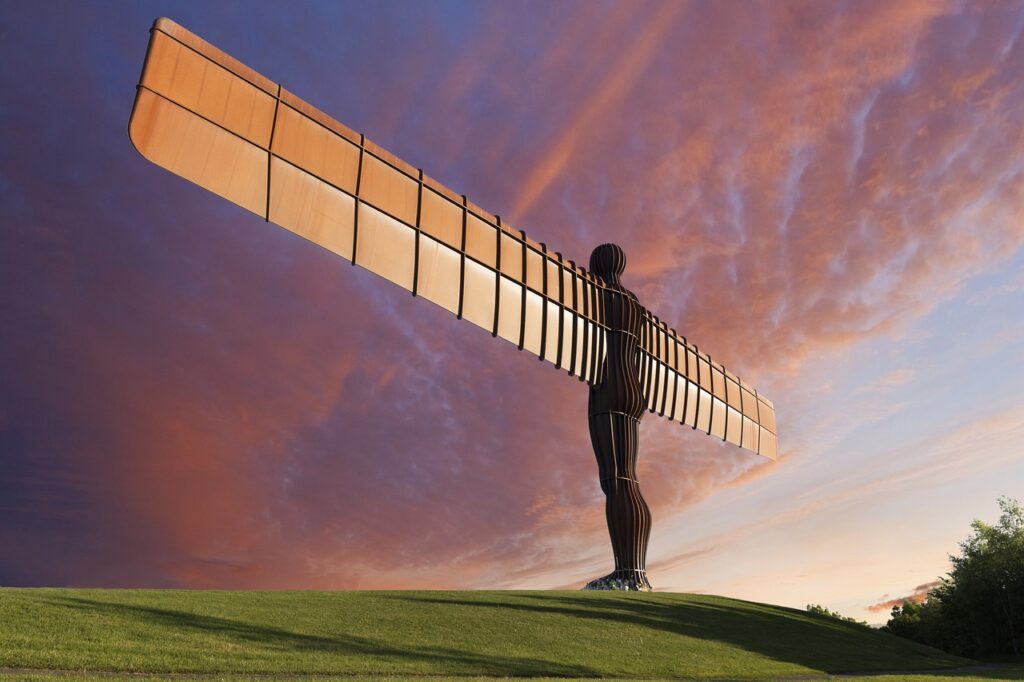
{"x": 624, "y": 581}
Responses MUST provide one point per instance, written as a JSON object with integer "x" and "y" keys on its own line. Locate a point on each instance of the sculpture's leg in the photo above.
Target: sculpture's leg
{"x": 615, "y": 440}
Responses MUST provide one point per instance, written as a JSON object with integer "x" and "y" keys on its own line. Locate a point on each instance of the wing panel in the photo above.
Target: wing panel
{"x": 317, "y": 149}
{"x": 647, "y": 364}
{"x": 190, "y": 146}
{"x": 478, "y": 295}
{"x": 553, "y": 280}
{"x": 534, "y": 323}
{"x": 768, "y": 445}
{"x": 535, "y": 270}
{"x": 585, "y": 337}
{"x": 661, "y": 395}
{"x": 717, "y": 419}
{"x": 513, "y": 252}
{"x": 691, "y": 365}
{"x": 385, "y": 246}
{"x": 679, "y": 399}
{"x": 692, "y": 399}
{"x": 568, "y": 327}
{"x": 579, "y": 366}
{"x": 311, "y": 208}
{"x": 718, "y": 381}
{"x": 733, "y": 426}
{"x": 481, "y": 241}
{"x": 749, "y": 403}
{"x": 643, "y": 361}
{"x": 703, "y": 411}
{"x": 703, "y": 371}
{"x": 552, "y": 327}
{"x": 441, "y": 218}
{"x": 668, "y": 374}
{"x": 185, "y": 76}
{"x": 602, "y": 353}
{"x": 510, "y": 310}
{"x": 732, "y": 393}
{"x": 191, "y": 40}
{"x": 749, "y": 435}
{"x": 653, "y": 366}
{"x": 439, "y": 274}
{"x": 389, "y": 189}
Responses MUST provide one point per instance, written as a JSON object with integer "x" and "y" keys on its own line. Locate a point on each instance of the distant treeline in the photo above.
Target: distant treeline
{"x": 978, "y": 608}
{"x": 822, "y": 611}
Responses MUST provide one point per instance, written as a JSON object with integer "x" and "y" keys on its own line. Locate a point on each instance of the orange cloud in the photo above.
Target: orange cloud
{"x": 919, "y": 595}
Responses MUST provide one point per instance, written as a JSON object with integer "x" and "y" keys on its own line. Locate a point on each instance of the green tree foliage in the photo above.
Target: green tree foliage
{"x": 822, "y": 611}
{"x": 905, "y": 620}
{"x": 922, "y": 622}
{"x": 978, "y": 609}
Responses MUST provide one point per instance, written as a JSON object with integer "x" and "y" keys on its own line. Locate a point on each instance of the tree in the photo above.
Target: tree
{"x": 978, "y": 609}
{"x": 905, "y": 620}
{"x": 985, "y": 589}
{"x": 921, "y": 622}
{"x": 822, "y": 611}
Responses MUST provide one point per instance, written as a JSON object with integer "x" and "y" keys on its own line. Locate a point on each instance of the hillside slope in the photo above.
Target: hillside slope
{"x": 564, "y": 634}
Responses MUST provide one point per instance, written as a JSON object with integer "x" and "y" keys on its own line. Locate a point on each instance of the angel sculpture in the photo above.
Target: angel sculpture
{"x": 210, "y": 119}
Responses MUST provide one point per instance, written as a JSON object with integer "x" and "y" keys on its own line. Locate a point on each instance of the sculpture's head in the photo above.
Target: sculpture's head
{"x": 608, "y": 261}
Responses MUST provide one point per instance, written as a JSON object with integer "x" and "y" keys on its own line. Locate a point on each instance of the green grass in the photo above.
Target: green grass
{"x": 460, "y": 634}
{"x": 1014, "y": 674}
{"x": 1009, "y": 672}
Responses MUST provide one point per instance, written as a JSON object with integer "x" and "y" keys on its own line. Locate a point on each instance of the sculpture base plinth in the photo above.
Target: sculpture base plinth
{"x": 621, "y": 581}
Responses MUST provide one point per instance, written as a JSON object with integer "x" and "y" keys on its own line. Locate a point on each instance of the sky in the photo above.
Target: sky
{"x": 828, "y": 197}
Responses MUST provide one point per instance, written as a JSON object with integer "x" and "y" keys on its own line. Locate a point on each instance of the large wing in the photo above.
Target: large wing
{"x": 207, "y": 117}
{"x": 685, "y": 385}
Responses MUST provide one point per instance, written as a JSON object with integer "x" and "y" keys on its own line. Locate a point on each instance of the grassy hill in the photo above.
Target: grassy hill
{"x": 486, "y": 634}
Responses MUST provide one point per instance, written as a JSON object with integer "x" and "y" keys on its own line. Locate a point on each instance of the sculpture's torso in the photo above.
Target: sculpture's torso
{"x": 619, "y": 390}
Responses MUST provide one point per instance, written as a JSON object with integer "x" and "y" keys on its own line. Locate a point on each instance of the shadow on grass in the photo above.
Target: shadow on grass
{"x": 779, "y": 633}
{"x": 439, "y": 659}
{"x": 991, "y": 671}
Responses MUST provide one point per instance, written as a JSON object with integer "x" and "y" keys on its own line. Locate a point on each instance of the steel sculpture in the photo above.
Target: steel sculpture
{"x": 210, "y": 119}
